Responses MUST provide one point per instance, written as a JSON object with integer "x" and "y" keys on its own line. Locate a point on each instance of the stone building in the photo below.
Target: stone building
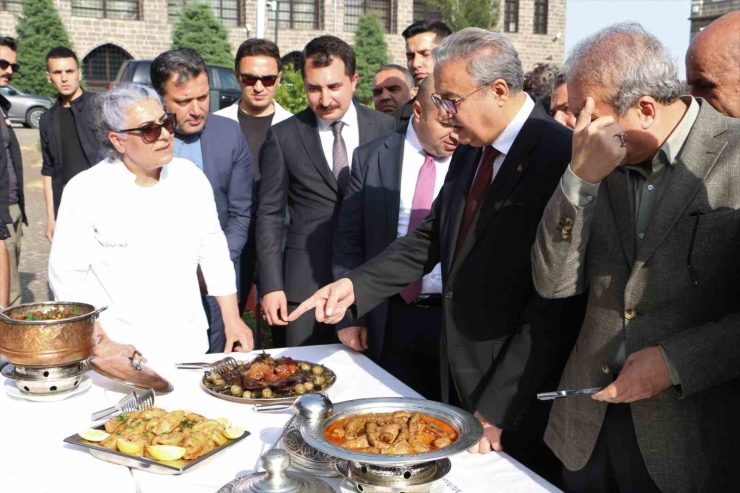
{"x": 107, "y": 32}
{"x": 703, "y": 12}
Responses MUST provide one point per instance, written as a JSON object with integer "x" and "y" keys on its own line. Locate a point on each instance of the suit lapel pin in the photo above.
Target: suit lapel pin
{"x": 520, "y": 169}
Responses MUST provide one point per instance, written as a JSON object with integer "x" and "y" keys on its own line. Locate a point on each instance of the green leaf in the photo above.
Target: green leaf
{"x": 371, "y": 51}
{"x": 291, "y": 95}
{"x": 197, "y": 27}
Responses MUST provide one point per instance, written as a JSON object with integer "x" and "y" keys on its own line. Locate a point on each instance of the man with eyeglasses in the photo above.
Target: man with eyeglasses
{"x": 258, "y": 68}
{"x": 12, "y": 203}
{"x": 216, "y": 146}
{"x": 502, "y": 343}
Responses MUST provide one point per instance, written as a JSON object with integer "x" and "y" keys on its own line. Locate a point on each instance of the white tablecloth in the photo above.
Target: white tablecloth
{"x": 33, "y": 458}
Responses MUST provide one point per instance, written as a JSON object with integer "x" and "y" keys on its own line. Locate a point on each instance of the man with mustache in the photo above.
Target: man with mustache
{"x": 305, "y": 168}
{"x": 393, "y": 87}
{"x": 217, "y": 146}
{"x": 12, "y": 208}
{"x": 68, "y": 142}
{"x": 393, "y": 182}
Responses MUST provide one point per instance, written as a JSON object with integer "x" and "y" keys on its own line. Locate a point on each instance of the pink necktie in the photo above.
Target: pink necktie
{"x": 420, "y": 207}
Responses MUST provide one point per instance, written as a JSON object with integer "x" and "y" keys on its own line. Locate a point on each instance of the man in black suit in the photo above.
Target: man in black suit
{"x": 12, "y": 199}
{"x": 305, "y": 168}
{"x": 502, "y": 342}
{"x": 421, "y": 38}
{"x": 216, "y": 145}
{"x": 68, "y": 141}
{"x": 393, "y": 182}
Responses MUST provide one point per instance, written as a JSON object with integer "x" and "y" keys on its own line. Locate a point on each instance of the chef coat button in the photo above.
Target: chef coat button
{"x": 630, "y": 313}
{"x": 605, "y": 369}
{"x": 448, "y": 295}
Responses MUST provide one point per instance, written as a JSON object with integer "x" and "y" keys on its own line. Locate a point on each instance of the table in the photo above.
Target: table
{"x": 35, "y": 460}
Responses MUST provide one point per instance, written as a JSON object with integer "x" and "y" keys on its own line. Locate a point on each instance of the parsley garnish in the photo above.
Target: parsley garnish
{"x": 187, "y": 424}
{"x": 122, "y": 417}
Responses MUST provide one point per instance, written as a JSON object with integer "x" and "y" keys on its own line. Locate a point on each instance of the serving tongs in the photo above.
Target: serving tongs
{"x": 132, "y": 402}
{"x": 223, "y": 364}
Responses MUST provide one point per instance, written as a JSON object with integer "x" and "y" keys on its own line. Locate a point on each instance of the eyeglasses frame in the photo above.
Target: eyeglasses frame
{"x": 454, "y": 102}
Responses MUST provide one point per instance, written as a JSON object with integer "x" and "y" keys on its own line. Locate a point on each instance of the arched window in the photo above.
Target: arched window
{"x": 101, "y": 65}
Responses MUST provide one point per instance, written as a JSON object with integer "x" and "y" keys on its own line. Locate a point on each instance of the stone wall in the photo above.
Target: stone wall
{"x": 151, "y": 34}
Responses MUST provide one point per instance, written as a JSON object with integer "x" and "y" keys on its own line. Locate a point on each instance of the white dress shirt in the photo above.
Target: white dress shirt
{"x": 506, "y": 139}
{"x": 136, "y": 250}
{"x": 413, "y": 159}
{"x": 350, "y": 134}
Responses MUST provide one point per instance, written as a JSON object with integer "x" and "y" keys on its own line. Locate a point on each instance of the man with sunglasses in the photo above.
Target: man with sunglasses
{"x": 502, "y": 343}
{"x": 68, "y": 142}
{"x": 258, "y": 69}
{"x": 305, "y": 168}
{"x": 215, "y": 145}
{"x": 12, "y": 208}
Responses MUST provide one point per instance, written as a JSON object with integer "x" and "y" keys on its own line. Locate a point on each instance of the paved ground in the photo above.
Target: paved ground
{"x": 35, "y": 249}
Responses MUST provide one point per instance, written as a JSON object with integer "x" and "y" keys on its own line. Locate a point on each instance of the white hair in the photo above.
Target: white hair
{"x": 490, "y": 56}
{"x": 628, "y": 62}
{"x": 111, "y": 109}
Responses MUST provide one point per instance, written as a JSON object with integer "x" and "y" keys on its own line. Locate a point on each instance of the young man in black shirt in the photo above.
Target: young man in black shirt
{"x": 68, "y": 143}
{"x": 258, "y": 69}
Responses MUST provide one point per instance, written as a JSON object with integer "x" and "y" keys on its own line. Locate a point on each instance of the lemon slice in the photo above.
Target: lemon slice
{"x": 233, "y": 432}
{"x": 166, "y": 452}
{"x": 92, "y": 435}
{"x": 130, "y": 448}
{"x": 224, "y": 421}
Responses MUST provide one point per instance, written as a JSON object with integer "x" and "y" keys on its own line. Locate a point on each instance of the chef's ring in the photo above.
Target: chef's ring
{"x": 622, "y": 138}
{"x": 136, "y": 360}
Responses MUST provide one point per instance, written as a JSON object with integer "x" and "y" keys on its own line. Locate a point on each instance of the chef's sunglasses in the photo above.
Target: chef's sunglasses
{"x": 4, "y": 64}
{"x": 250, "y": 80}
{"x": 151, "y": 131}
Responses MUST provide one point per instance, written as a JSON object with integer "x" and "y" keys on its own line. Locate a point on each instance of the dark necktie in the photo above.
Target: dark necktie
{"x": 339, "y": 156}
{"x": 477, "y": 193}
{"x": 420, "y": 207}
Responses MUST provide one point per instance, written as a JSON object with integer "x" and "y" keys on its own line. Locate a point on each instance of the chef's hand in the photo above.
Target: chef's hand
{"x": 354, "y": 337}
{"x": 330, "y": 302}
{"x": 597, "y": 148}
{"x": 275, "y": 308}
{"x": 491, "y": 437}
{"x": 645, "y": 373}
{"x": 106, "y": 348}
{"x": 237, "y": 331}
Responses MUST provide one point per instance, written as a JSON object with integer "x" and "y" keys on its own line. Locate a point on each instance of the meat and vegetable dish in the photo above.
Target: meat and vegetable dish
{"x": 399, "y": 432}
{"x": 53, "y": 314}
{"x": 266, "y": 378}
{"x": 135, "y": 432}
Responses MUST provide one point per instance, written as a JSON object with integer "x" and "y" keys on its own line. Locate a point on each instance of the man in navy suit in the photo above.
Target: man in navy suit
{"x": 217, "y": 146}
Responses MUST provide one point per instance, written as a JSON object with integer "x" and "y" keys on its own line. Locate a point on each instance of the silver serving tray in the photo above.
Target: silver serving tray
{"x": 173, "y": 467}
{"x": 271, "y": 400}
{"x": 469, "y": 429}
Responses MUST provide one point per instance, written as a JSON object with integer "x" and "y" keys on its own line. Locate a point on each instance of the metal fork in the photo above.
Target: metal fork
{"x": 220, "y": 365}
{"x": 130, "y": 403}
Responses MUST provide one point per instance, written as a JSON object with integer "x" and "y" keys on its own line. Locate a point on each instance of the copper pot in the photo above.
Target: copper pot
{"x": 48, "y": 342}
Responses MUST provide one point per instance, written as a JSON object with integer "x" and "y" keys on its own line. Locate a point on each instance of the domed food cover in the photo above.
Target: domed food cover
{"x": 469, "y": 430}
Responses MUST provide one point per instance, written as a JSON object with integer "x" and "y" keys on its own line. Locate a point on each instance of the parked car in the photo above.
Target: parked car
{"x": 225, "y": 90}
{"x": 26, "y": 108}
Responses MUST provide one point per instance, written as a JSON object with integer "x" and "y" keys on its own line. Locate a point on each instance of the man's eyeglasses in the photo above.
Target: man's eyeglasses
{"x": 450, "y": 105}
{"x": 4, "y": 64}
{"x": 250, "y": 80}
{"x": 151, "y": 131}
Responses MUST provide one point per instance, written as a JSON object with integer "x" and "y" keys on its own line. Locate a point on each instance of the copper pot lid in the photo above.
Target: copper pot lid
{"x": 131, "y": 372}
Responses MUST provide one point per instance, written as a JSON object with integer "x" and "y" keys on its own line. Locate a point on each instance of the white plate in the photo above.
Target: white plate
{"x": 12, "y": 390}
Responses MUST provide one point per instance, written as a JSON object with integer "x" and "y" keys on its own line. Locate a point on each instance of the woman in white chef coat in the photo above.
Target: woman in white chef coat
{"x": 131, "y": 232}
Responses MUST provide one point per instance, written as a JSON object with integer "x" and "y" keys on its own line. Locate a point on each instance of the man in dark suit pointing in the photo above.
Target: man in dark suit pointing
{"x": 305, "y": 168}
{"x": 501, "y": 341}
